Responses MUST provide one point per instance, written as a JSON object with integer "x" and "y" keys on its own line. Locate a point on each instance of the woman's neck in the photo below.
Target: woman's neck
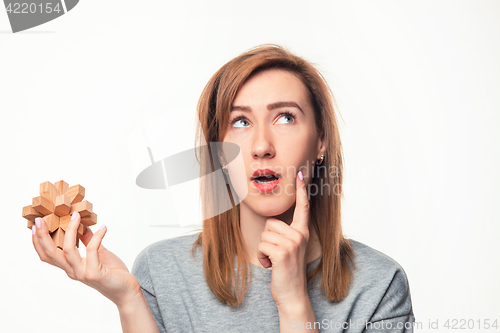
{"x": 252, "y": 225}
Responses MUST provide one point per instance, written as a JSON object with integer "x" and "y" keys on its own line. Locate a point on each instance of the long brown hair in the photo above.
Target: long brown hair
{"x": 221, "y": 238}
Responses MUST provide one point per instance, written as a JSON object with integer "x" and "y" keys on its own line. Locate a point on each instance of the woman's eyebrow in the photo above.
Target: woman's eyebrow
{"x": 270, "y": 107}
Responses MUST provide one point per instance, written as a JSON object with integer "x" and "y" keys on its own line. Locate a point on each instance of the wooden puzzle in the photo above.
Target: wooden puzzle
{"x": 55, "y": 205}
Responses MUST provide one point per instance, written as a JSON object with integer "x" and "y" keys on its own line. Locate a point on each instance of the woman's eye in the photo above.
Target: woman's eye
{"x": 240, "y": 123}
{"x": 288, "y": 118}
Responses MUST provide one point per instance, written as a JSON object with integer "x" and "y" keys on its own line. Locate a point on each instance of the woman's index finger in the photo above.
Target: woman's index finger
{"x": 301, "y": 212}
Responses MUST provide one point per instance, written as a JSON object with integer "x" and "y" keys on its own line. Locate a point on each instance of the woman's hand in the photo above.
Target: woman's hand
{"x": 101, "y": 270}
{"x": 284, "y": 247}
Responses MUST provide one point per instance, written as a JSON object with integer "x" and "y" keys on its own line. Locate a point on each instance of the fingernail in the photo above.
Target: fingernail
{"x": 33, "y": 230}
{"x": 301, "y": 176}
{"x": 102, "y": 227}
{"x": 73, "y": 216}
{"x": 37, "y": 222}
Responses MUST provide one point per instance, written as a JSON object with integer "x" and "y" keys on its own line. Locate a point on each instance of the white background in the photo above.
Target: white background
{"x": 417, "y": 83}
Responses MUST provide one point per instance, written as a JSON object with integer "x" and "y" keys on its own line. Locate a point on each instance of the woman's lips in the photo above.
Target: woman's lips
{"x": 264, "y": 172}
{"x": 266, "y": 187}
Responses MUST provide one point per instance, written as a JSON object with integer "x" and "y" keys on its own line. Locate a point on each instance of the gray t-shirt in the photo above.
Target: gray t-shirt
{"x": 174, "y": 285}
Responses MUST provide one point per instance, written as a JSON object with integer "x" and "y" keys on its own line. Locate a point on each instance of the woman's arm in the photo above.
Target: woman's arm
{"x": 297, "y": 315}
{"x": 394, "y": 313}
{"x": 101, "y": 270}
{"x": 136, "y": 316}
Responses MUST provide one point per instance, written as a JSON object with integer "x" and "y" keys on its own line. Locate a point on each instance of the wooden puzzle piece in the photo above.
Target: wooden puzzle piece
{"x": 30, "y": 224}
{"x": 89, "y": 220}
{"x": 30, "y": 213}
{"x": 48, "y": 191}
{"x": 61, "y": 187}
{"x": 62, "y": 205}
{"x": 52, "y": 222}
{"x": 58, "y": 237}
{"x": 76, "y": 193}
{"x": 55, "y": 205}
{"x": 43, "y": 205}
{"x": 84, "y": 208}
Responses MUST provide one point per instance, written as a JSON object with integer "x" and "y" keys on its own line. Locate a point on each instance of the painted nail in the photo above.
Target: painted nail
{"x": 73, "y": 216}
{"x": 33, "y": 230}
{"x": 37, "y": 222}
{"x": 301, "y": 176}
{"x": 102, "y": 227}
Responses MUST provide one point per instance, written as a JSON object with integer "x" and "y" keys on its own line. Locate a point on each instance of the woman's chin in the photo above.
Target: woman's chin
{"x": 270, "y": 212}
{"x": 269, "y": 207}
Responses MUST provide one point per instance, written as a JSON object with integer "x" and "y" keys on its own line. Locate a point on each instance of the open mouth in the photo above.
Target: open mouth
{"x": 265, "y": 179}
{"x": 265, "y": 176}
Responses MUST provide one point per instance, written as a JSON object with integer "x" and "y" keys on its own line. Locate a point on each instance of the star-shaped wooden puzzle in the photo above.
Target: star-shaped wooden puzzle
{"x": 55, "y": 205}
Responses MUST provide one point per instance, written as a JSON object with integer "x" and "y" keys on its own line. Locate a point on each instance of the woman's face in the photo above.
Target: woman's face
{"x": 272, "y": 121}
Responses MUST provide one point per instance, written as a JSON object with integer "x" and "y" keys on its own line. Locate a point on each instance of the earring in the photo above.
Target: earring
{"x": 319, "y": 161}
{"x": 225, "y": 170}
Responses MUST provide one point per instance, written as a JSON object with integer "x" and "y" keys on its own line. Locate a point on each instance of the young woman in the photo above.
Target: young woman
{"x": 276, "y": 259}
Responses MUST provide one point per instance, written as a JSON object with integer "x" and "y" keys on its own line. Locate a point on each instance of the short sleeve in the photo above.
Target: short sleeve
{"x": 394, "y": 313}
{"x": 140, "y": 270}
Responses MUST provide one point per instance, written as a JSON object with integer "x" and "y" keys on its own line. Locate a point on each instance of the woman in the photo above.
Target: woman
{"x": 276, "y": 260}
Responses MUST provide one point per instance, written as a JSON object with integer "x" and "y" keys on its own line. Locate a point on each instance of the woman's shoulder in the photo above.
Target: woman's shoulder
{"x": 165, "y": 250}
{"x": 373, "y": 259}
{"x": 382, "y": 279}
{"x": 175, "y": 244}
{"x": 373, "y": 264}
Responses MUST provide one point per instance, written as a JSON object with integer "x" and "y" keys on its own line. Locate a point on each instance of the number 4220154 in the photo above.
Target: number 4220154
{"x": 27, "y": 8}
{"x": 461, "y": 324}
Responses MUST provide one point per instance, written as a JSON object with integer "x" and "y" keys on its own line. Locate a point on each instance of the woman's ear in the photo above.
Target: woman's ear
{"x": 321, "y": 144}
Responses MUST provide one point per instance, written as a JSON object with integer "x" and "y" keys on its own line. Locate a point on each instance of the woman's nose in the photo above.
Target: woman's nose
{"x": 262, "y": 144}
